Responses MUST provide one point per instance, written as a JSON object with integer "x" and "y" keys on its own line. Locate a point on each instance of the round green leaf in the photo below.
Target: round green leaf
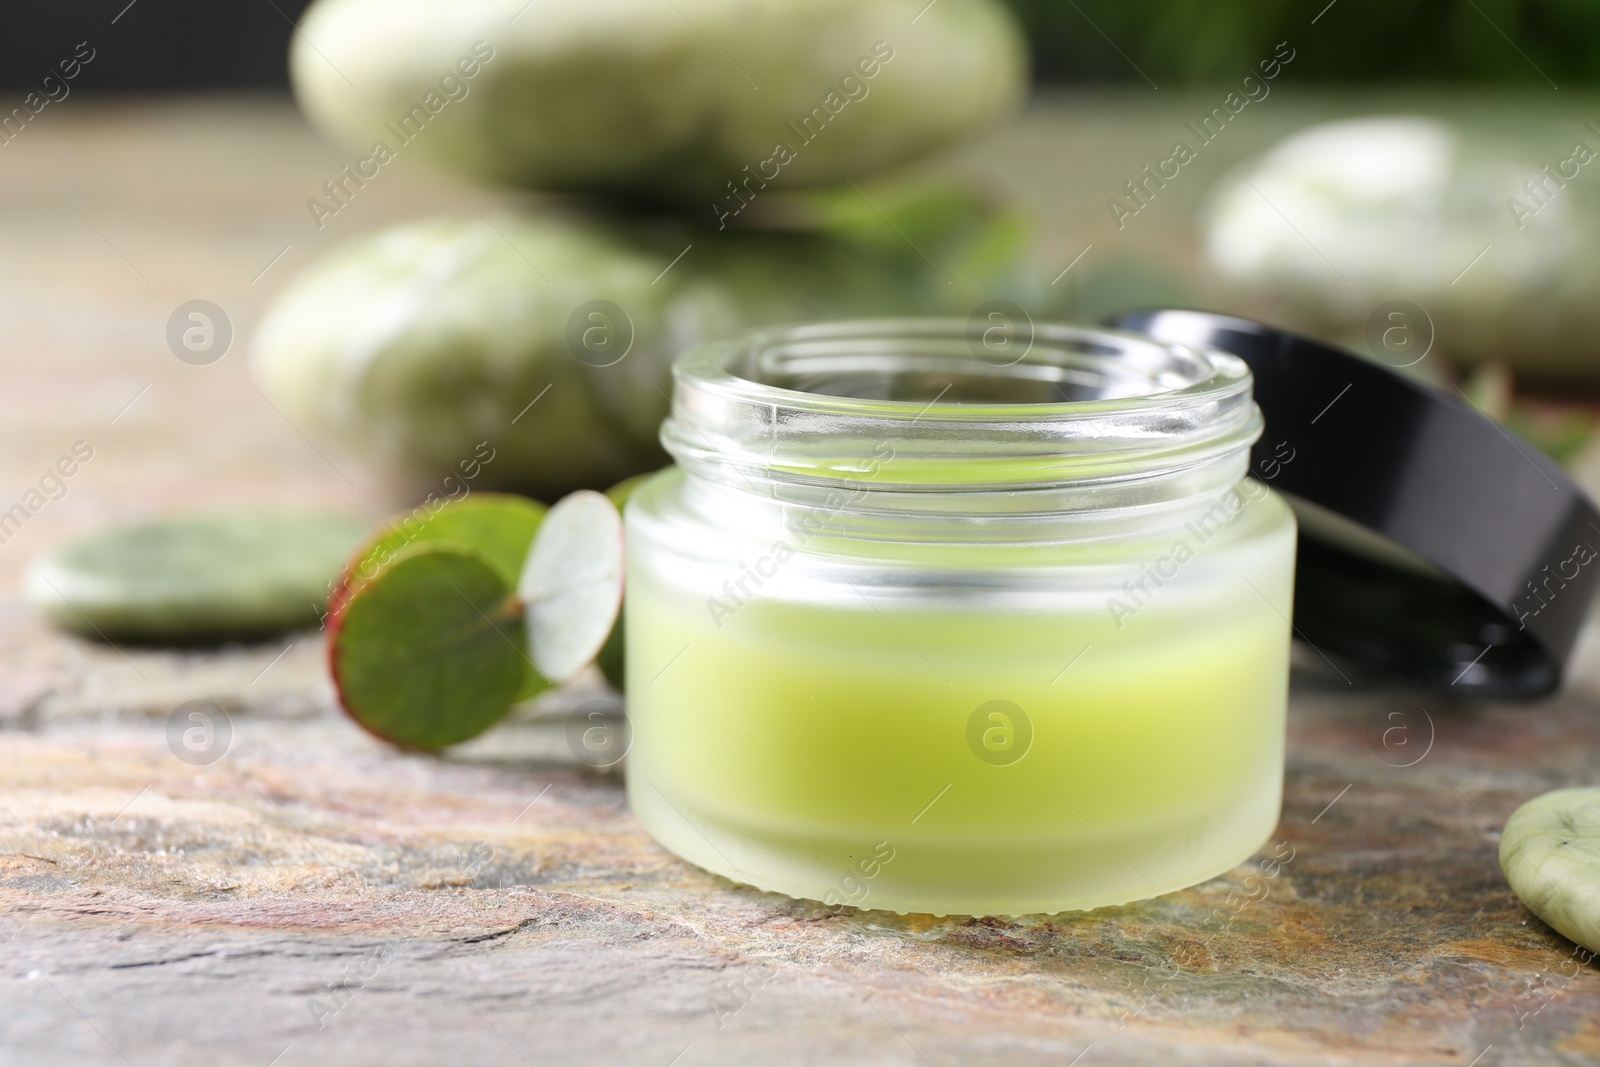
{"x": 498, "y": 525}
{"x": 195, "y": 579}
{"x": 430, "y": 651}
{"x": 501, "y": 526}
{"x": 572, "y": 584}
{"x": 1550, "y": 853}
{"x": 612, "y": 659}
{"x": 622, "y": 492}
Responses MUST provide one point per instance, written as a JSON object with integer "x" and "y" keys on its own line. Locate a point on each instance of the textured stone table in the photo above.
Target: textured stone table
{"x": 314, "y": 897}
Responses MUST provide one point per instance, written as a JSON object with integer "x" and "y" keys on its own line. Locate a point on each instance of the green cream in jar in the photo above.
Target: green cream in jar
{"x": 914, "y": 627}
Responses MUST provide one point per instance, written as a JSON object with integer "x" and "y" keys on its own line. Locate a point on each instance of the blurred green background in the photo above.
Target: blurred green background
{"x": 177, "y": 44}
{"x": 1351, "y": 40}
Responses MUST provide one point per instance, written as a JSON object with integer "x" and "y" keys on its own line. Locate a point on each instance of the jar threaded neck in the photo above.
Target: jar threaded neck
{"x": 917, "y": 414}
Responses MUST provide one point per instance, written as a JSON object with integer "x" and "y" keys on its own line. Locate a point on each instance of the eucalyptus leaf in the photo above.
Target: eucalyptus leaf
{"x": 499, "y": 525}
{"x": 612, "y": 659}
{"x": 572, "y": 584}
{"x": 623, "y": 491}
{"x": 429, "y": 652}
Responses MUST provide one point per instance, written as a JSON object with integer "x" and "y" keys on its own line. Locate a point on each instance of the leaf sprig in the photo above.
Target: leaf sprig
{"x": 437, "y": 627}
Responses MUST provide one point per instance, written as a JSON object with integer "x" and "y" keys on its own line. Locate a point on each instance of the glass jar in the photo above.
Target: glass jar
{"x": 912, "y": 626}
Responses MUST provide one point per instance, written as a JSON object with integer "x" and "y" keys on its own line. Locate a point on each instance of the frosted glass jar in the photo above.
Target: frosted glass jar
{"x": 911, "y": 627}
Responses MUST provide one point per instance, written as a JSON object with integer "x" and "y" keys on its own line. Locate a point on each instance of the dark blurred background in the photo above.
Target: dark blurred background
{"x": 150, "y": 44}
{"x": 190, "y": 44}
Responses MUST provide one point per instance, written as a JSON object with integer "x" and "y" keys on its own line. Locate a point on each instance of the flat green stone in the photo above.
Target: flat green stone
{"x": 195, "y": 579}
{"x": 1550, "y": 852}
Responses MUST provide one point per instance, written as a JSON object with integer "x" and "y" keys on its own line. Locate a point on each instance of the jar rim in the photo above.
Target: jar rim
{"x": 1056, "y": 405}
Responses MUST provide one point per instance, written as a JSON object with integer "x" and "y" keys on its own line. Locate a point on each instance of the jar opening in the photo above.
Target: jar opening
{"x": 974, "y": 366}
{"x": 925, "y": 406}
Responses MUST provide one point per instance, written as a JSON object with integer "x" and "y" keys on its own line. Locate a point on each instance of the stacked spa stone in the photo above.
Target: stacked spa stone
{"x": 1417, "y": 237}
{"x": 666, "y": 132}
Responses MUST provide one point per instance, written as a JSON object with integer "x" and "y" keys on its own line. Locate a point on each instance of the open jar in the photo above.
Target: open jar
{"x": 912, "y": 626}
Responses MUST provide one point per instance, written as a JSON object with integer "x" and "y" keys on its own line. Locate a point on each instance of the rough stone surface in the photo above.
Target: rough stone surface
{"x": 314, "y": 897}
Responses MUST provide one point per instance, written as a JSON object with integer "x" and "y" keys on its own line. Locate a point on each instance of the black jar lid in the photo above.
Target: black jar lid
{"x": 1435, "y": 546}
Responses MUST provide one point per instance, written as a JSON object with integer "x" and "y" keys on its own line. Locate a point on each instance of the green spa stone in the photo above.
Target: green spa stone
{"x": 195, "y": 579}
{"x": 1550, "y": 853}
{"x": 1488, "y": 230}
{"x": 655, "y": 100}
{"x": 539, "y": 344}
